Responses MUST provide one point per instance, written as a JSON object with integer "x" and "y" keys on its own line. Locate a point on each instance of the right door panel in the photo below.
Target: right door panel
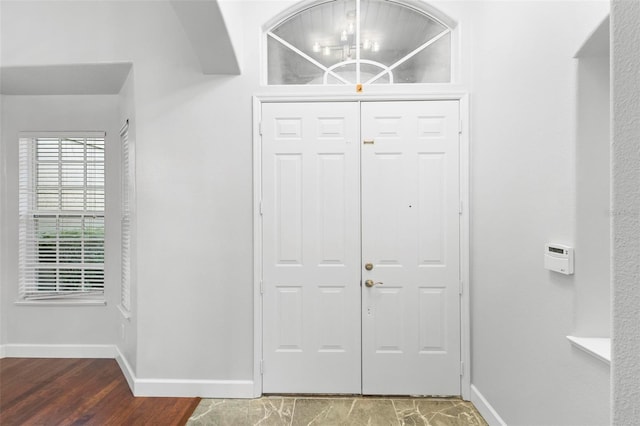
{"x": 411, "y": 236}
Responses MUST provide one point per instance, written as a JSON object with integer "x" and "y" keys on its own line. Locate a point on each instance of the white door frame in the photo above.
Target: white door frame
{"x": 465, "y": 317}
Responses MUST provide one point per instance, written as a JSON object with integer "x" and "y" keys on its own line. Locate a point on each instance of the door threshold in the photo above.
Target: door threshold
{"x": 356, "y": 395}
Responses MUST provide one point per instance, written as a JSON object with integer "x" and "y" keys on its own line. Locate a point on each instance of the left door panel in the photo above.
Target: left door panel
{"x": 311, "y": 247}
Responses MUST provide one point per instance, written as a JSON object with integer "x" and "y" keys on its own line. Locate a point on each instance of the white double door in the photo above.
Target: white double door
{"x": 354, "y": 194}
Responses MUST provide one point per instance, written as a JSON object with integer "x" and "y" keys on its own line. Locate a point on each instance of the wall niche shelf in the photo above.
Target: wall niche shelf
{"x": 598, "y": 347}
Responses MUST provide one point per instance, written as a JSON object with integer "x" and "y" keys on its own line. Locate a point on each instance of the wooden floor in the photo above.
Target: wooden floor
{"x": 36, "y": 391}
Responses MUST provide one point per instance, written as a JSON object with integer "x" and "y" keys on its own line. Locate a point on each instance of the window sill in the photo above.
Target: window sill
{"x": 67, "y": 302}
{"x": 598, "y": 347}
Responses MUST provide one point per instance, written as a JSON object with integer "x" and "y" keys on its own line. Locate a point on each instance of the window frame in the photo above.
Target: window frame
{"x": 419, "y": 6}
{"x": 125, "y": 221}
{"x": 89, "y": 288}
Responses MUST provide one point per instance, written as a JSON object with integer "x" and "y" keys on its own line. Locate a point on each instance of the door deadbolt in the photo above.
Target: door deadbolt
{"x": 368, "y": 266}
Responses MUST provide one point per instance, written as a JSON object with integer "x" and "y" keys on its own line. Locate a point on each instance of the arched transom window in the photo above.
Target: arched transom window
{"x": 359, "y": 42}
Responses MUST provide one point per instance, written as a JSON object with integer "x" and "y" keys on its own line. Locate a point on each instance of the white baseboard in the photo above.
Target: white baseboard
{"x": 58, "y": 351}
{"x": 139, "y": 387}
{"x": 184, "y": 387}
{"x": 486, "y": 410}
{"x": 192, "y": 388}
{"x": 126, "y": 369}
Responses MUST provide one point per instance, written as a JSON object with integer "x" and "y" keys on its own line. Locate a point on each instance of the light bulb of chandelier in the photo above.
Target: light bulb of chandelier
{"x": 350, "y": 28}
{"x": 366, "y": 45}
{"x": 326, "y": 51}
{"x": 375, "y": 47}
{"x": 343, "y": 36}
{"x": 316, "y": 47}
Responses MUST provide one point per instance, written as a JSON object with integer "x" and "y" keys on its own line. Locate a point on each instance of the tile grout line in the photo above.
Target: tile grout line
{"x": 293, "y": 411}
{"x": 395, "y": 410}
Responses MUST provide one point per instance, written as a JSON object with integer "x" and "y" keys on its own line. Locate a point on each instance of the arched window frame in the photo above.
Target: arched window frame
{"x": 418, "y": 5}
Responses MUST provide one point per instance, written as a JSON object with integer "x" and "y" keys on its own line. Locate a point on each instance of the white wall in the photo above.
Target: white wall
{"x": 194, "y": 211}
{"x": 54, "y": 325}
{"x": 193, "y": 146}
{"x": 194, "y": 190}
{"x": 625, "y": 16}
{"x": 2, "y": 237}
{"x": 2, "y": 285}
{"x": 523, "y": 102}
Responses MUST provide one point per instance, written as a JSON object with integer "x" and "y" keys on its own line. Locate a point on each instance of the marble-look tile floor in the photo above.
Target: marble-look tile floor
{"x": 352, "y": 411}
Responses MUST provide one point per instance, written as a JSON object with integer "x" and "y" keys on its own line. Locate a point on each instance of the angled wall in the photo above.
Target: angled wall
{"x": 205, "y": 26}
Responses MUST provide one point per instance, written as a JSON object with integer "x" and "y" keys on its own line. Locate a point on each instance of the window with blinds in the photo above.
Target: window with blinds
{"x": 62, "y": 201}
{"x": 125, "y": 284}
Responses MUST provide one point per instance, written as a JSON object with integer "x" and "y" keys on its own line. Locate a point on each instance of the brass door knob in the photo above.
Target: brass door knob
{"x": 368, "y": 266}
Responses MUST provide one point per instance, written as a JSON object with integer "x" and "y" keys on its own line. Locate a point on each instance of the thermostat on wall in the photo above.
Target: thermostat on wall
{"x": 558, "y": 258}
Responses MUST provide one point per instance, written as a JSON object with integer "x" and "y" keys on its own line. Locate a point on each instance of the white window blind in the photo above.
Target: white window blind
{"x": 125, "y": 285}
{"x": 61, "y": 209}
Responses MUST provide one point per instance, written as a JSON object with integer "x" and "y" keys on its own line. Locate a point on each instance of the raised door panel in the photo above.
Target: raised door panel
{"x": 389, "y": 321}
{"x": 431, "y": 209}
{"x": 288, "y": 208}
{"x": 289, "y": 318}
{"x": 386, "y": 242}
{"x": 332, "y": 204}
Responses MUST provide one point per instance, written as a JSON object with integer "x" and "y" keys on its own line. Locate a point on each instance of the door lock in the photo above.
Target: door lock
{"x": 368, "y": 266}
{"x": 370, "y": 283}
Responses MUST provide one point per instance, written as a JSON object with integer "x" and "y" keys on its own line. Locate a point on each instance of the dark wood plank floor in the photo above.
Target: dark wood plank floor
{"x": 35, "y": 391}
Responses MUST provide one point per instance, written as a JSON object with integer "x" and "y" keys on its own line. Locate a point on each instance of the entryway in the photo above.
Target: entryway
{"x": 361, "y": 260}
